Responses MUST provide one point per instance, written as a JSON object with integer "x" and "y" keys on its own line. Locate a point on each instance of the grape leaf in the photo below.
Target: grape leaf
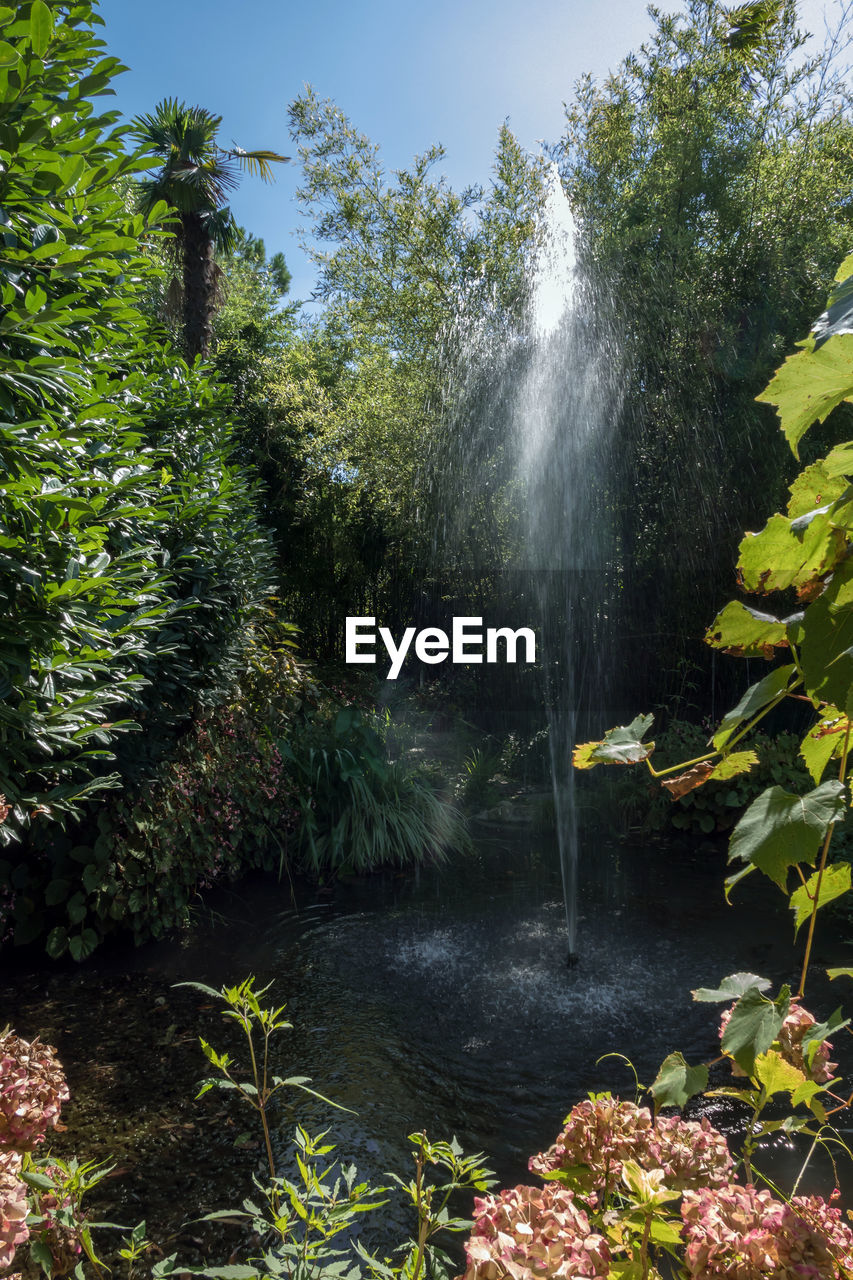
{"x": 781, "y": 829}
{"x": 754, "y": 1024}
{"x": 834, "y": 882}
{"x": 809, "y": 385}
{"x": 731, "y": 988}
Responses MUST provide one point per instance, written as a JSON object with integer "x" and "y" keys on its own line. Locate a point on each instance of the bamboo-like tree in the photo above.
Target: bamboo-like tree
{"x": 195, "y": 179}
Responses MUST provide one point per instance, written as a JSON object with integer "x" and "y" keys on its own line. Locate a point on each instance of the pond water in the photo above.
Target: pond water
{"x": 436, "y": 1000}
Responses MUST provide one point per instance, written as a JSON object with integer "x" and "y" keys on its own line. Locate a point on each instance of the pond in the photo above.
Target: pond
{"x": 437, "y": 1000}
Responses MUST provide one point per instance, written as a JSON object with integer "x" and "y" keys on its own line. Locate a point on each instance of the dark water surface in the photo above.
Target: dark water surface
{"x": 437, "y": 1000}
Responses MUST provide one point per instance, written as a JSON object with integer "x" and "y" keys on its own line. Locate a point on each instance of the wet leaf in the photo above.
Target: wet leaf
{"x": 810, "y": 385}
{"x": 689, "y": 781}
{"x": 676, "y": 1082}
{"x": 780, "y": 829}
{"x": 746, "y": 633}
{"x": 731, "y": 988}
{"x": 834, "y": 883}
{"x": 753, "y": 1026}
{"x": 621, "y": 745}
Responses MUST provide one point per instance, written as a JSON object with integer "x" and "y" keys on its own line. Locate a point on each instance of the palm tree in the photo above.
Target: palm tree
{"x": 195, "y": 179}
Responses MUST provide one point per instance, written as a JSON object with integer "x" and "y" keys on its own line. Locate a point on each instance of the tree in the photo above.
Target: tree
{"x": 711, "y": 176}
{"x": 195, "y": 179}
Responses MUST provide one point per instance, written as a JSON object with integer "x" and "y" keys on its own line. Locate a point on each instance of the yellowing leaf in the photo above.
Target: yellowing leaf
{"x": 746, "y": 633}
{"x": 834, "y": 883}
{"x": 789, "y": 553}
{"x": 737, "y": 762}
{"x": 776, "y": 1074}
{"x": 824, "y": 740}
{"x": 818, "y": 485}
{"x": 621, "y": 745}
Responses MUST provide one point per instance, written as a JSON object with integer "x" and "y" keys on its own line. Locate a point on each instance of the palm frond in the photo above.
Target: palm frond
{"x": 257, "y": 163}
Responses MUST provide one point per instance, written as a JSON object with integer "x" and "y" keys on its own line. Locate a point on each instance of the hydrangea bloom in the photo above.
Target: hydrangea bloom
{"x": 528, "y": 1233}
{"x": 739, "y": 1233}
{"x": 790, "y": 1041}
{"x": 13, "y": 1207}
{"x": 600, "y": 1135}
{"x": 32, "y": 1091}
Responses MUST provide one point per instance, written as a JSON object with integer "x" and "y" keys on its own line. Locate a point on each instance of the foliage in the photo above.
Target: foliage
{"x": 195, "y": 179}
{"x": 130, "y": 558}
{"x": 775, "y": 1047}
{"x": 40, "y": 1196}
{"x": 804, "y": 553}
{"x": 708, "y": 174}
{"x": 360, "y": 810}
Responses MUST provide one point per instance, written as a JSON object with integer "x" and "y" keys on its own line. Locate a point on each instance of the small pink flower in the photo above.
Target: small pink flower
{"x": 739, "y": 1233}
{"x": 528, "y": 1233}
{"x": 13, "y": 1207}
{"x": 32, "y": 1091}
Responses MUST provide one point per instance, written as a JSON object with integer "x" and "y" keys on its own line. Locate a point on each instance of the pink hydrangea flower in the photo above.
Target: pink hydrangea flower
{"x": 528, "y": 1233}
{"x": 13, "y": 1207}
{"x": 739, "y": 1233}
{"x": 32, "y": 1091}
{"x": 790, "y": 1042}
{"x": 599, "y": 1136}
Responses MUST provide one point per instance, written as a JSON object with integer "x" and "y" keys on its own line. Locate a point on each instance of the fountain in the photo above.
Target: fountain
{"x": 532, "y": 400}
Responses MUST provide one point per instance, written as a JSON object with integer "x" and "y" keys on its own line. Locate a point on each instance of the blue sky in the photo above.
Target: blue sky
{"x": 408, "y": 75}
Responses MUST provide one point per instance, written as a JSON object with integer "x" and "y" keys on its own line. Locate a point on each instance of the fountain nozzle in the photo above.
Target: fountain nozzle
{"x": 572, "y": 959}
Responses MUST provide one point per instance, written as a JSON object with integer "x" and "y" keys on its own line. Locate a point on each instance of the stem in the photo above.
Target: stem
{"x": 423, "y": 1222}
{"x": 709, "y": 755}
{"x": 823, "y": 855}
{"x": 260, "y": 1105}
{"x": 644, "y": 1247}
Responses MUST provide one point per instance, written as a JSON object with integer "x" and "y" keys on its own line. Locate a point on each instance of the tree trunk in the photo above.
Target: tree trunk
{"x": 199, "y": 286}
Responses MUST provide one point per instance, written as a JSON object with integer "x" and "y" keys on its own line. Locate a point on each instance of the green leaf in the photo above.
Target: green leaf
{"x": 746, "y": 633}
{"x": 757, "y": 697}
{"x": 780, "y": 830}
{"x": 775, "y": 1074}
{"x": 839, "y": 973}
{"x": 621, "y": 745}
{"x": 83, "y": 944}
{"x": 57, "y": 942}
{"x": 838, "y": 462}
{"x": 676, "y": 1082}
{"x": 754, "y": 1024}
{"x": 41, "y": 27}
{"x": 731, "y": 988}
{"x": 826, "y": 651}
{"x": 809, "y": 385}
{"x": 834, "y": 882}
